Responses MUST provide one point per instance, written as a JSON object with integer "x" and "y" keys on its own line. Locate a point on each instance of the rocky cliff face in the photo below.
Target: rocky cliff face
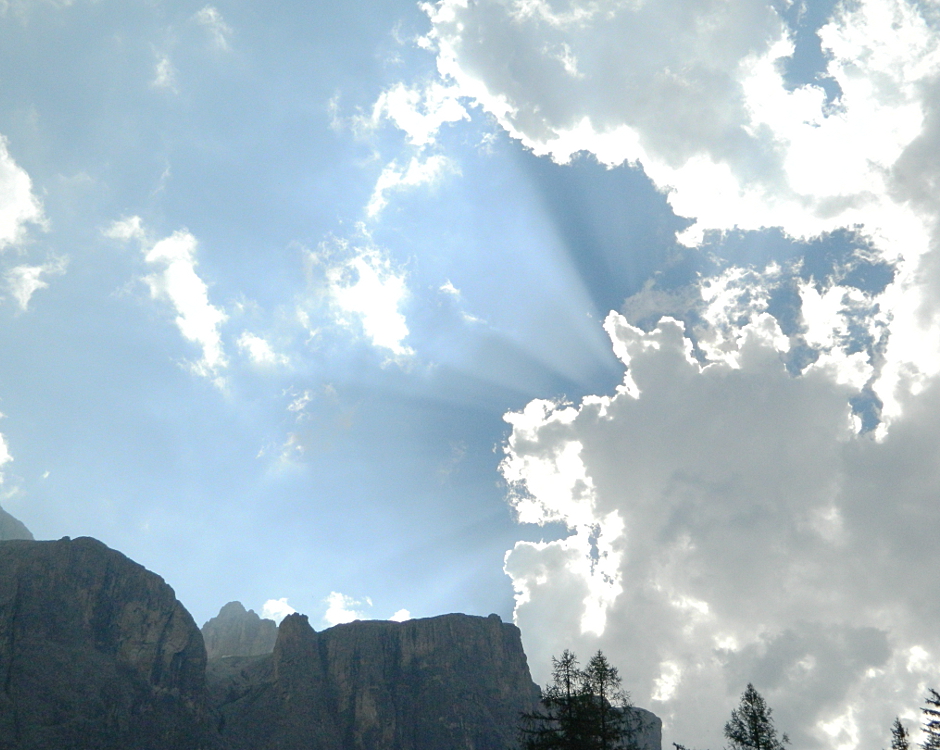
{"x": 95, "y": 652}
{"x": 237, "y": 632}
{"x": 454, "y": 682}
{"x": 11, "y": 528}
{"x": 648, "y": 727}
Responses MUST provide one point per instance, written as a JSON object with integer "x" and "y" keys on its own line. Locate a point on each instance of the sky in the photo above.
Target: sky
{"x": 617, "y": 318}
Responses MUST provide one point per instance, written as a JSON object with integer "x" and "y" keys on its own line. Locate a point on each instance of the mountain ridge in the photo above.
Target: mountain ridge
{"x": 97, "y": 653}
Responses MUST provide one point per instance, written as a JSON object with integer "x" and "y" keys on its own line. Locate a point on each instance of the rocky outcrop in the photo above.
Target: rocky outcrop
{"x": 648, "y": 729}
{"x": 12, "y": 528}
{"x": 238, "y": 632}
{"x": 455, "y": 682}
{"x": 96, "y": 652}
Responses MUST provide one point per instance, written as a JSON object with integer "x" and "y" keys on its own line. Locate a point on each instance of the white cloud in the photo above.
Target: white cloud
{"x": 419, "y": 112}
{"x": 367, "y": 292}
{"x": 450, "y": 289}
{"x": 277, "y": 610}
{"x": 23, "y": 281}
{"x": 727, "y": 524}
{"x": 19, "y": 207}
{"x": 131, "y": 228}
{"x": 219, "y": 31}
{"x": 176, "y": 281}
{"x": 401, "y": 615}
{"x": 260, "y": 351}
{"x": 394, "y": 178}
{"x": 342, "y": 608}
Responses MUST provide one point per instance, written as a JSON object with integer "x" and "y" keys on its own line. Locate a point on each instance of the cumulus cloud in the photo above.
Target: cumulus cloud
{"x": 259, "y": 351}
{"x": 19, "y": 207}
{"x": 277, "y": 610}
{"x": 342, "y": 608}
{"x": 176, "y": 281}
{"x": 366, "y": 292}
{"x": 401, "y": 615}
{"x": 219, "y": 31}
{"x": 728, "y": 524}
{"x": 23, "y": 281}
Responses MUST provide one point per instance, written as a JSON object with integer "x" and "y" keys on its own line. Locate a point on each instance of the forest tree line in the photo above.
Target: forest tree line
{"x": 588, "y": 709}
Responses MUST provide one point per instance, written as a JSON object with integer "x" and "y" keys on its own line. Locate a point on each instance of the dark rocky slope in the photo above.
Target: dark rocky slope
{"x": 95, "y": 652}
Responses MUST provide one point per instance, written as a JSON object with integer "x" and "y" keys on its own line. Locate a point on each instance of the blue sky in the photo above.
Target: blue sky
{"x": 618, "y": 320}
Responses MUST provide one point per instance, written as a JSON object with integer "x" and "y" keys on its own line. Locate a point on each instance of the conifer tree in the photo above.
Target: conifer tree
{"x": 555, "y": 726}
{"x": 931, "y": 713}
{"x": 606, "y": 721}
{"x": 751, "y": 726}
{"x": 581, "y": 709}
{"x": 900, "y": 740}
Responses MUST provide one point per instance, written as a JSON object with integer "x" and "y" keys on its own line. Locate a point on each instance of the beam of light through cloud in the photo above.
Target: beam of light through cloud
{"x": 696, "y": 94}
{"x": 365, "y": 291}
{"x": 341, "y": 608}
{"x": 19, "y": 206}
{"x": 277, "y": 610}
{"x": 176, "y": 281}
{"x": 25, "y": 280}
